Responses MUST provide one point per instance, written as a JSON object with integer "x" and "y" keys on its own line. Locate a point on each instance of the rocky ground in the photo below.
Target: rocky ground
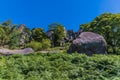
{"x": 5, "y": 51}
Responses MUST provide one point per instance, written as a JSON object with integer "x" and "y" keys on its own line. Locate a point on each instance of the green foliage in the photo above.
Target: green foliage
{"x": 14, "y": 40}
{"x": 60, "y": 66}
{"x": 58, "y": 33}
{"x": 35, "y": 45}
{"x": 46, "y": 43}
{"x": 2, "y": 36}
{"x": 54, "y": 25}
{"x": 7, "y": 32}
{"x": 7, "y": 23}
{"x": 38, "y": 34}
{"x": 108, "y": 25}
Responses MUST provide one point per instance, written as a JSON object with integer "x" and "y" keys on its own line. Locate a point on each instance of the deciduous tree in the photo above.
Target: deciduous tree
{"x": 107, "y": 25}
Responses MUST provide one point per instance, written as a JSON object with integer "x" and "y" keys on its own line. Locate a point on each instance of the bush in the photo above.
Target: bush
{"x": 60, "y": 66}
{"x": 46, "y": 43}
{"x": 35, "y": 45}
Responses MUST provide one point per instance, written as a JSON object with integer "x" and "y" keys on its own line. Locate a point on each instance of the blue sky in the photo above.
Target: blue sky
{"x": 41, "y": 13}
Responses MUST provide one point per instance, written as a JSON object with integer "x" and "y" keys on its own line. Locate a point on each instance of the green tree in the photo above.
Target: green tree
{"x": 14, "y": 40}
{"x": 108, "y": 25}
{"x": 2, "y": 36}
{"x": 7, "y": 23}
{"x": 59, "y": 33}
{"x": 46, "y": 43}
{"x": 37, "y": 46}
{"x": 9, "y": 29}
{"x": 38, "y": 34}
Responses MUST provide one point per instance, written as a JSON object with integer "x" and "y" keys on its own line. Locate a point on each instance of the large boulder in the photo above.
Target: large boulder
{"x": 88, "y": 43}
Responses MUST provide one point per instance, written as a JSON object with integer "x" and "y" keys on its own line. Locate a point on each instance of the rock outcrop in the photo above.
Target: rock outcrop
{"x": 4, "y": 51}
{"x": 21, "y": 28}
{"x": 24, "y": 34}
{"x": 88, "y": 43}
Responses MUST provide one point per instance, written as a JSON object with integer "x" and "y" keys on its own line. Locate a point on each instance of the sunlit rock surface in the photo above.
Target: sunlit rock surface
{"x": 89, "y": 43}
{"x": 4, "y": 51}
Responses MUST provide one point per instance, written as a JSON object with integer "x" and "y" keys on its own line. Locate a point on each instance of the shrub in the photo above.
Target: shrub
{"x": 35, "y": 45}
{"x": 46, "y": 43}
{"x": 60, "y": 66}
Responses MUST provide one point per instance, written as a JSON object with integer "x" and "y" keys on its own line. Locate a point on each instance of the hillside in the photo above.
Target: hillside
{"x": 60, "y": 66}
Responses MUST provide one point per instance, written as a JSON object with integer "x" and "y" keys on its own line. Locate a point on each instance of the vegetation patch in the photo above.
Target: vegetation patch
{"x": 61, "y": 66}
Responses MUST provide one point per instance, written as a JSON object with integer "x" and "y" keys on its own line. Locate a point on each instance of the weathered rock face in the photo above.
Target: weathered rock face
{"x": 4, "y": 51}
{"x": 71, "y": 35}
{"x": 21, "y": 27}
{"x": 88, "y": 43}
{"x": 24, "y": 37}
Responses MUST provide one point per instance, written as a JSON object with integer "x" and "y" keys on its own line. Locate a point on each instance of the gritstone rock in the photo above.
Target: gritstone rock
{"x": 4, "y": 51}
{"x": 88, "y": 43}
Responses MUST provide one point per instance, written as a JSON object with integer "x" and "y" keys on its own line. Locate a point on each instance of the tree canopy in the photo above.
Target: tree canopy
{"x": 59, "y": 33}
{"x": 108, "y": 25}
